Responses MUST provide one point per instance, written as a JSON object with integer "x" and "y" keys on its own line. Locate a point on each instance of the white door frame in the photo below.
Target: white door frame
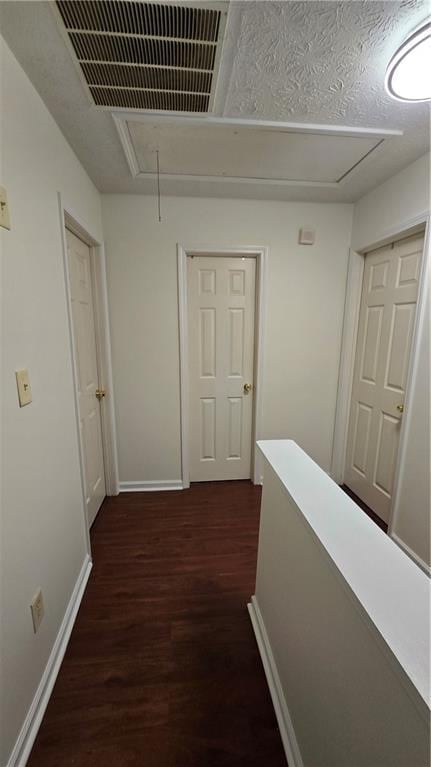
{"x": 70, "y": 220}
{"x": 261, "y": 256}
{"x": 348, "y": 348}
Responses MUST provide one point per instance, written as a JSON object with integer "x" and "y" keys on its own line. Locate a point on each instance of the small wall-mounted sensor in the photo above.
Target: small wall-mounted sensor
{"x": 306, "y": 236}
{"x": 24, "y": 388}
{"x": 4, "y": 210}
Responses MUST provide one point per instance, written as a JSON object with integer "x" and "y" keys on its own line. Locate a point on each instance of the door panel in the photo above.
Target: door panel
{"x": 221, "y": 301}
{"x": 235, "y": 427}
{"x": 386, "y": 323}
{"x": 208, "y": 425}
{"x": 236, "y": 342}
{"x": 387, "y": 446}
{"x": 362, "y": 437}
{"x": 403, "y": 316}
{"x": 207, "y": 343}
{"x": 371, "y": 346}
{"x": 86, "y": 373}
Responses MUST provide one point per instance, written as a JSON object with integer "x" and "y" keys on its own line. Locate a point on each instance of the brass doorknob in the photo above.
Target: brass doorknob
{"x": 247, "y": 388}
{"x": 400, "y": 408}
{"x": 100, "y": 393}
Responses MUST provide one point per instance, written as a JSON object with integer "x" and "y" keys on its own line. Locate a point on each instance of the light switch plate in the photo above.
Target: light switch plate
{"x": 24, "y": 388}
{"x": 4, "y": 209}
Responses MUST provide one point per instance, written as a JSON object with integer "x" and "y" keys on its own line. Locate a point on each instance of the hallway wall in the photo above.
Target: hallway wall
{"x": 305, "y": 296}
{"x": 43, "y": 542}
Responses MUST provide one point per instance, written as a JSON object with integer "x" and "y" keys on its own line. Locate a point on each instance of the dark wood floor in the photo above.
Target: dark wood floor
{"x": 162, "y": 669}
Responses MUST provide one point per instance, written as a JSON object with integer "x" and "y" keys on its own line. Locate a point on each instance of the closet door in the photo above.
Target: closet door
{"x": 386, "y": 323}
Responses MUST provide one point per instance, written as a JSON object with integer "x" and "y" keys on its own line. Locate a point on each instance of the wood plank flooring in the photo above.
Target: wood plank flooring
{"x": 162, "y": 669}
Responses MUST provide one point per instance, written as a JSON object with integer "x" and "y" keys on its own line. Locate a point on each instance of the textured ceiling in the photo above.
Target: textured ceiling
{"x": 309, "y": 61}
{"x": 321, "y": 61}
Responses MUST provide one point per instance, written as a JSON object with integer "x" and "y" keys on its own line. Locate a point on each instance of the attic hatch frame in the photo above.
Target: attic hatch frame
{"x": 201, "y": 76}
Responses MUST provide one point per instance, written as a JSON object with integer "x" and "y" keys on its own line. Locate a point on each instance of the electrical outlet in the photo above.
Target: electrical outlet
{"x": 37, "y": 610}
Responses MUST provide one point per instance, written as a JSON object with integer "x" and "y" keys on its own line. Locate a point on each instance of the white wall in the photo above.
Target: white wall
{"x": 44, "y": 539}
{"x": 306, "y": 287}
{"x": 400, "y": 200}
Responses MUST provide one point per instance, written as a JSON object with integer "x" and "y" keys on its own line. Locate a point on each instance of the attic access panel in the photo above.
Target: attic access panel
{"x": 146, "y": 56}
{"x": 239, "y": 152}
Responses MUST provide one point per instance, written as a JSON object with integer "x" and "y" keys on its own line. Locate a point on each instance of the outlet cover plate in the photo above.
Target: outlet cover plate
{"x": 4, "y": 209}
{"x": 37, "y": 610}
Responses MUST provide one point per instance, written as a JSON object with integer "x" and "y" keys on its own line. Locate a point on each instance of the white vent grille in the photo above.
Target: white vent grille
{"x": 151, "y": 56}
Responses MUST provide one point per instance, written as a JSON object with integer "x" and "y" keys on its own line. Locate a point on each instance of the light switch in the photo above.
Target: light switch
{"x": 24, "y": 388}
{"x": 4, "y": 209}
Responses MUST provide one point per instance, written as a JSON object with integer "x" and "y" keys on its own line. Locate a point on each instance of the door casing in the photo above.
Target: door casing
{"x": 69, "y": 220}
{"x": 348, "y": 351}
{"x": 261, "y": 256}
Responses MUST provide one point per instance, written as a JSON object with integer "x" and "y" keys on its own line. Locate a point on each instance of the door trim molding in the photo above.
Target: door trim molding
{"x": 261, "y": 256}
{"x": 421, "y": 318}
{"x": 70, "y": 220}
{"x": 410, "y": 553}
{"x": 348, "y": 349}
{"x": 352, "y": 305}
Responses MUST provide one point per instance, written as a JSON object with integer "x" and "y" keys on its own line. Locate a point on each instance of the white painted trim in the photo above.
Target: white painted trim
{"x": 155, "y": 486}
{"x": 26, "y": 737}
{"x": 348, "y": 351}
{"x": 69, "y": 219}
{"x": 260, "y": 324}
{"x": 403, "y": 229}
{"x": 287, "y": 732}
{"x": 184, "y": 364}
{"x": 230, "y": 42}
{"x": 121, "y": 119}
{"x": 126, "y": 143}
{"x": 103, "y": 343}
{"x": 219, "y": 48}
{"x": 261, "y": 255}
{"x": 410, "y": 553}
{"x": 235, "y": 122}
{"x": 347, "y": 361}
{"x": 74, "y": 366}
{"x": 420, "y": 320}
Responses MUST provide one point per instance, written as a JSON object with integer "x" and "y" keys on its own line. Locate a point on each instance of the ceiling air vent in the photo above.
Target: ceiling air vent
{"x": 147, "y": 56}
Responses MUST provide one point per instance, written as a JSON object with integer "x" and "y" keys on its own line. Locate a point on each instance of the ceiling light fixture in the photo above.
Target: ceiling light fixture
{"x": 408, "y": 75}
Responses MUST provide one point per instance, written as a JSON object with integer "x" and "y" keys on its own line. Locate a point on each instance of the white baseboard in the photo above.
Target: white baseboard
{"x": 410, "y": 553}
{"x": 156, "y": 486}
{"x": 26, "y": 738}
{"x": 291, "y": 748}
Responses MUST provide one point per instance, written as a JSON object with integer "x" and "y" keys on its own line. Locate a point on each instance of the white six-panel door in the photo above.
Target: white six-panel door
{"x": 86, "y": 373}
{"x": 386, "y": 322}
{"x": 221, "y": 308}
